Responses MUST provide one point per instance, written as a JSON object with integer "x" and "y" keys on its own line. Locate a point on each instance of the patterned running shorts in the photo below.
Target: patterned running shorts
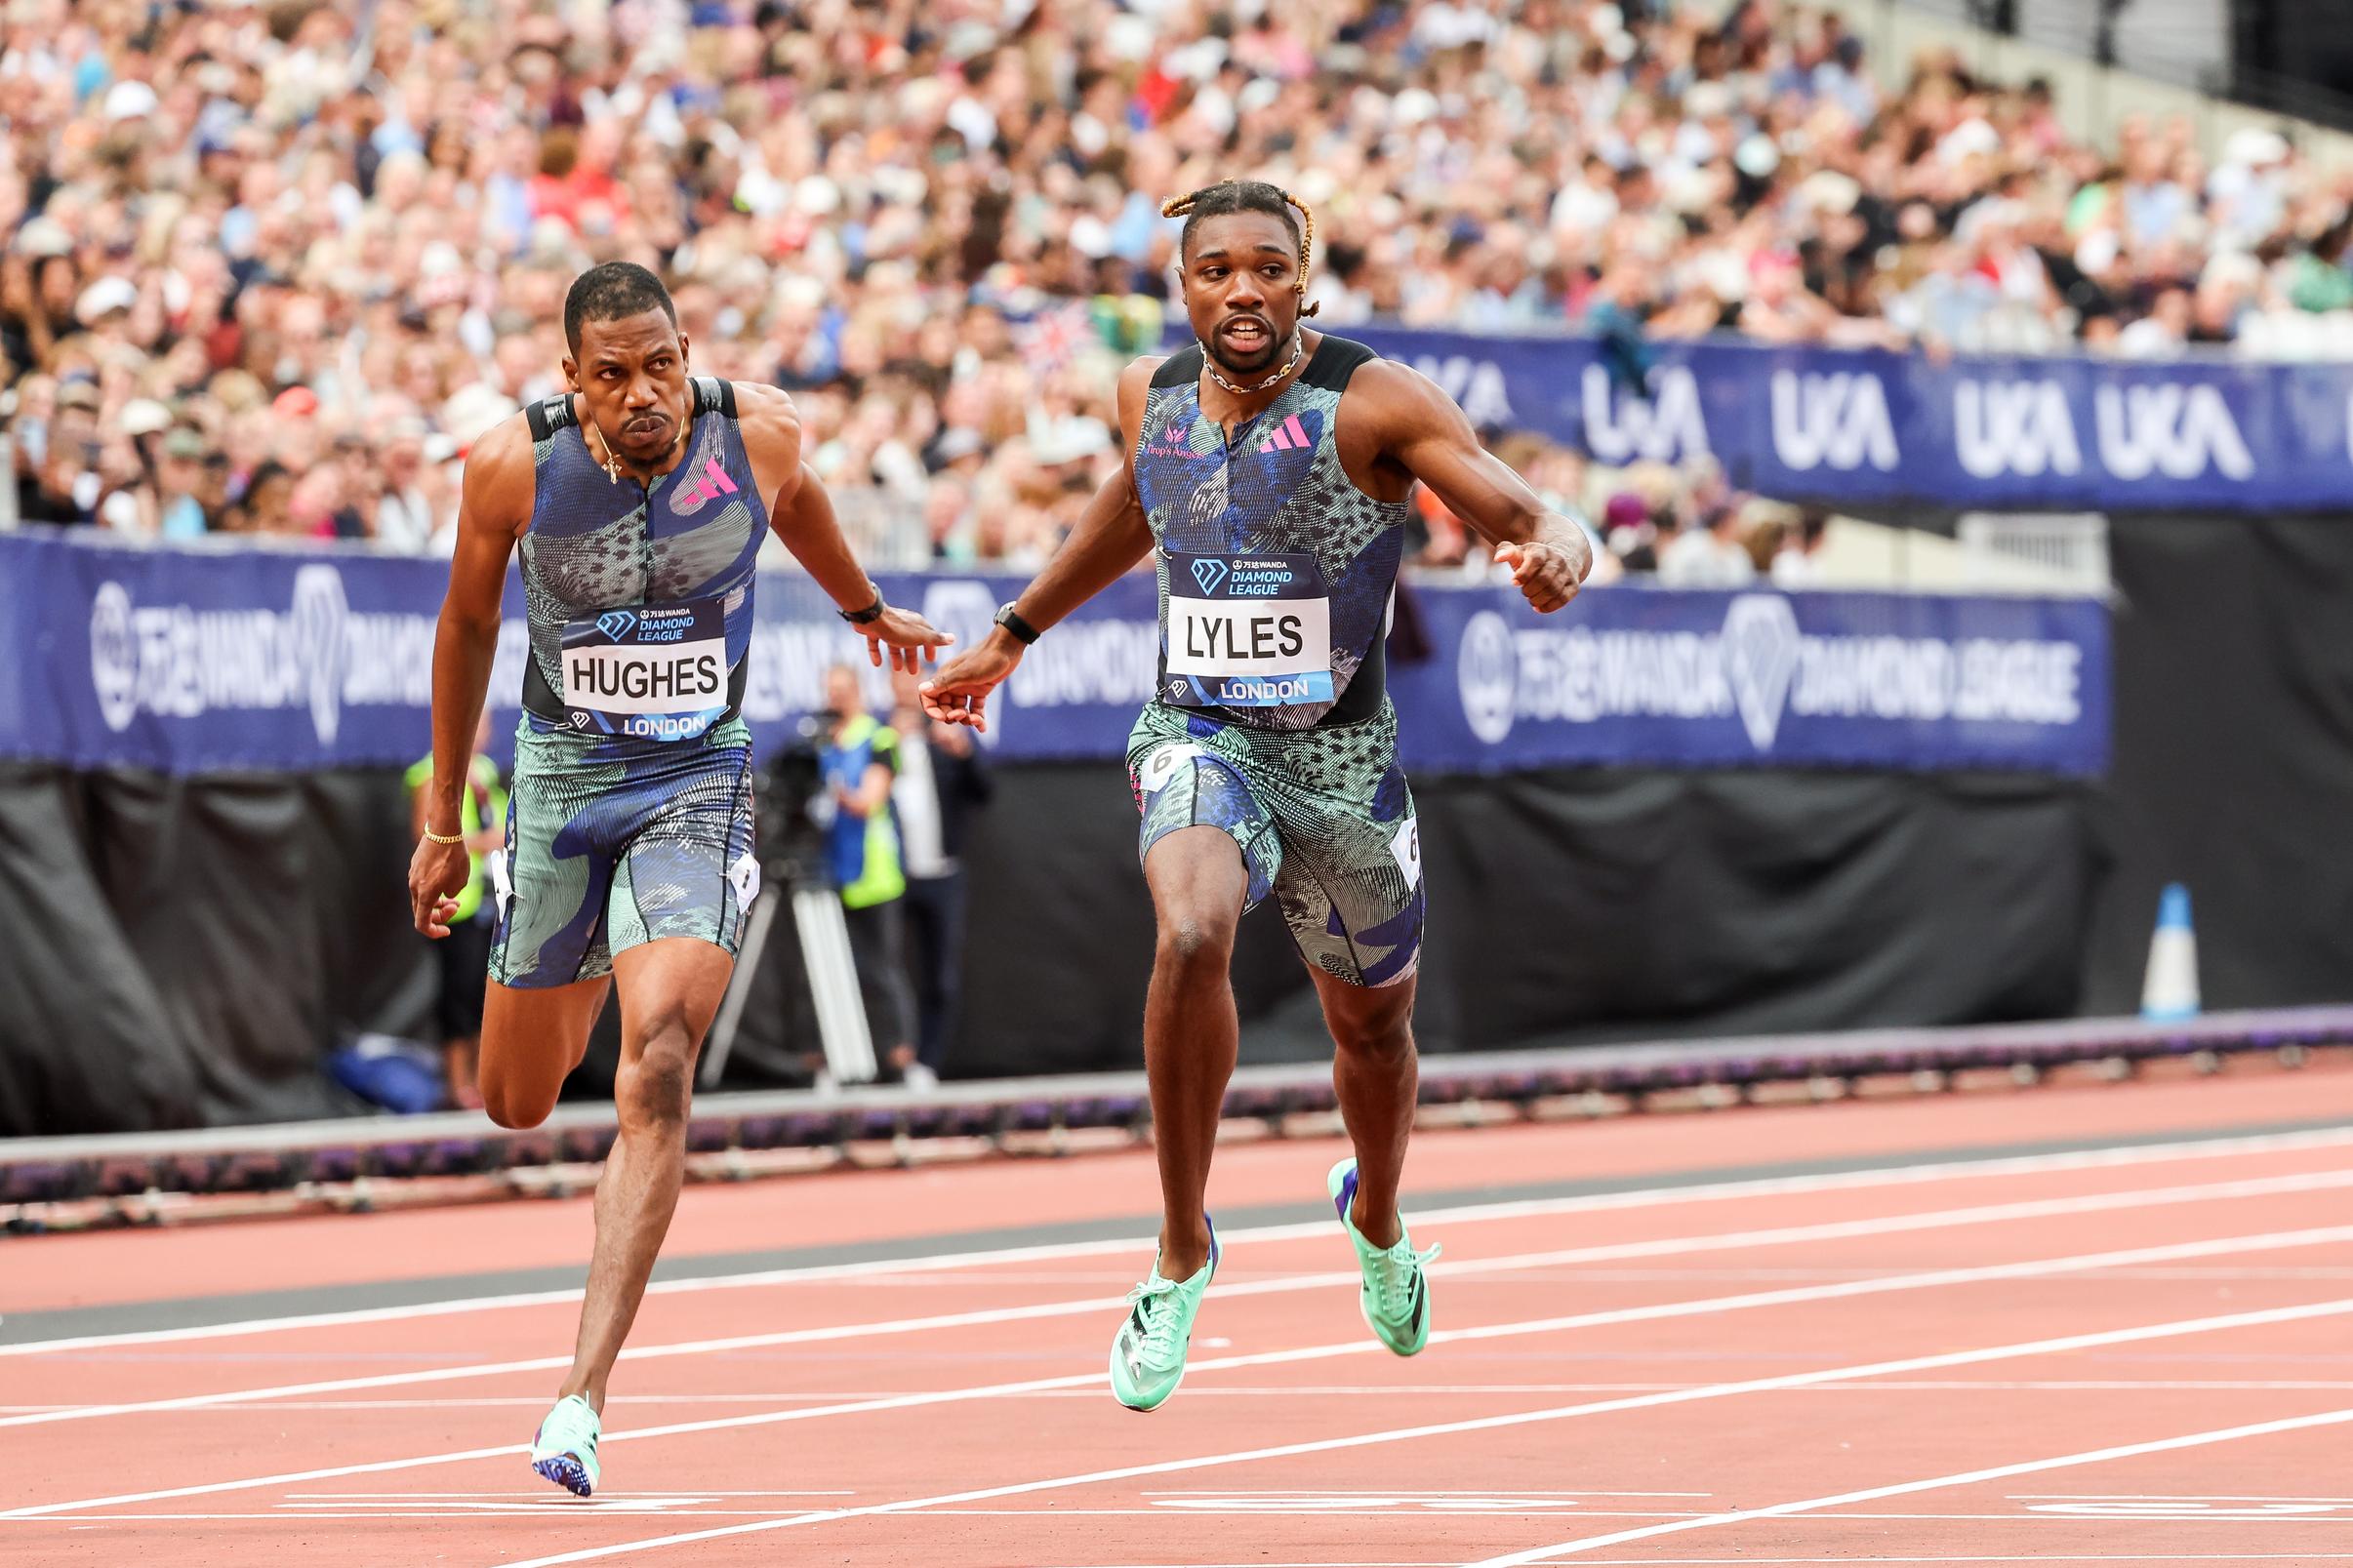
{"x": 1323, "y": 819}
{"x": 617, "y": 843}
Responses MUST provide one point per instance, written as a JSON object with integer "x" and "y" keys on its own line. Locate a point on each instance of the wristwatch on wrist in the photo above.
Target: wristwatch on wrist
{"x": 860, "y": 618}
{"x": 1021, "y": 631}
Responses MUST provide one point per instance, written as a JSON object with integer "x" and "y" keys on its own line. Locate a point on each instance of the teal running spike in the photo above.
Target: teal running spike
{"x": 1396, "y": 1297}
{"x": 565, "y": 1449}
{"x": 1147, "y": 1353}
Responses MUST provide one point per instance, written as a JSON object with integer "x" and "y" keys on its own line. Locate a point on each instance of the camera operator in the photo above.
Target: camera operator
{"x": 941, "y": 779}
{"x": 861, "y": 758}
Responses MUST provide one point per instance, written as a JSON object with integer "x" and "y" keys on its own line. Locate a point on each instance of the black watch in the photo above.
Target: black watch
{"x": 1010, "y": 618}
{"x": 866, "y": 617}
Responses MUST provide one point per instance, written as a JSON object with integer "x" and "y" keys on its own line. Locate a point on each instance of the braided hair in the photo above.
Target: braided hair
{"x": 1248, "y": 196}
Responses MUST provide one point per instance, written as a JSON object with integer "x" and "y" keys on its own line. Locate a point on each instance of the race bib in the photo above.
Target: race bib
{"x": 1248, "y": 632}
{"x": 655, "y": 670}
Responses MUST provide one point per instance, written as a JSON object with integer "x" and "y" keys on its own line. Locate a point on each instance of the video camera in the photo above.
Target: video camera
{"x": 793, "y": 809}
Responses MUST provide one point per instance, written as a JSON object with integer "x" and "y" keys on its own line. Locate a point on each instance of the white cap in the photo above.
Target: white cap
{"x": 2254, "y": 146}
{"x": 108, "y": 294}
{"x": 129, "y": 100}
{"x": 144, "y": 416}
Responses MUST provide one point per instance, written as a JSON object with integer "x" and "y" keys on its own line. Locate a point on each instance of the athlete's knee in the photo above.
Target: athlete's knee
{"x": 656, "y": 1081}
{"x": 1193, "y": 941}
{"x": 511, "y": 1103}
{"x": 1383, "y": 1035}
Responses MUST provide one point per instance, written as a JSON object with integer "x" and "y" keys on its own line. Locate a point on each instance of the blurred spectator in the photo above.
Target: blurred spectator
{"x": 861, "y": 760}
{"x": 338, "y": 238}
{"x": 1799, "y": 562}
{"x": 941, "y": 781}
{"x": 1713, "y": 555}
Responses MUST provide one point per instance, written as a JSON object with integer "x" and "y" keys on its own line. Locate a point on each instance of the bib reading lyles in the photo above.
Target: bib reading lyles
{"x": 1248, "y": 632}
{"x": 653, "y": 671}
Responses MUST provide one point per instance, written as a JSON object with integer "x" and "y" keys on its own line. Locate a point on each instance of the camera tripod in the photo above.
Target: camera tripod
{"x": 825, "y": 957}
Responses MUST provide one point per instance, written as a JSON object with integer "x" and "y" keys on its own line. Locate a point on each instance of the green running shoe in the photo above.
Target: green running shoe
{"x": 565, "y": 1449}
{"x": 1396, "y": 1297}
{"x": 1147, "y": 1355}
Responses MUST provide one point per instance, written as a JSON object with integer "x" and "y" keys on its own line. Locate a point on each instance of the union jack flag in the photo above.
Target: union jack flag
{"x": 1051, "y": 338}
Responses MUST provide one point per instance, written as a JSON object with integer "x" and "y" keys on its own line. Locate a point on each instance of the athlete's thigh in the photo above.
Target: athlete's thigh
{"x": 1191, "y": 796}
{"x": 555, "y": 877}
{"x": 532, "y": 1038}
{"x": 1351, "y": 887}
{"x": 688, "y": 870}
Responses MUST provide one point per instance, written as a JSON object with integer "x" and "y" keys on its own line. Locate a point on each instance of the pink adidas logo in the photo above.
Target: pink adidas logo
{"x": 713, "y": 484}
{"x": 1288, "y": 436}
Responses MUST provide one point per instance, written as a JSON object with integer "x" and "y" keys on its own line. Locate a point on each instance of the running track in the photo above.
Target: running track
{"x": 2102, "y": 1325}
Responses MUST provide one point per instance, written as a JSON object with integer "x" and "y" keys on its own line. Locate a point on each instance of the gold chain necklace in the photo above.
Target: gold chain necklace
{"x": 611, "y": 462}
{"x": 1298, "y": 347}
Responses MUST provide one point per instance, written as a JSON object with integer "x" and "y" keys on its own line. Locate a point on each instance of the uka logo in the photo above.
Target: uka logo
{"x": 2029, "y": 428}
{"x": 1839, "y": 420}
{"x": 1666, "y": 426}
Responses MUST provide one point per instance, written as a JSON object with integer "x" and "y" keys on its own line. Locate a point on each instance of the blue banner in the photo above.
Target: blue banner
{"x": 204, "y": 661}
{"x": 2049, "y": 434}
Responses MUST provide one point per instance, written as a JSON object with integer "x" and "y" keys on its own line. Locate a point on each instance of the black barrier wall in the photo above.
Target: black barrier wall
{"x": 173, "y": 952}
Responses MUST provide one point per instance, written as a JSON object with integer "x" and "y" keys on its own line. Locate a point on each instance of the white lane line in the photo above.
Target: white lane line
{"x": 1654, "y": 1247}
{"x": 1998, "y": 1352}
{"x": 1641, "y": 1198}
{"x": 1365, "y": 1391}
{"x": 2165, "y": 1497}
{"x": 2135, "y": 1557}
{"x": 2031, "y": 1268}
{"x": 1993, "y": 1472}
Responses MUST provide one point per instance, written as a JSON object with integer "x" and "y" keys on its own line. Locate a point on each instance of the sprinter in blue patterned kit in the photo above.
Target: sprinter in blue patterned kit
{"x": 1269, "y": 471}
{"x": 638, "y": 502}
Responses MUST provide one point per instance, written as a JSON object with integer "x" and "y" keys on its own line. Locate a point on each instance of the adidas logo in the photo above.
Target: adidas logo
{"x": 1288, "y": 436}
{"x": 713, "y": 484}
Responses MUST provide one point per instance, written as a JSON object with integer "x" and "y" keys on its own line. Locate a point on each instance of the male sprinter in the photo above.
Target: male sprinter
{"x": 639, "y": 501}
{"x": 1271, "y": 466}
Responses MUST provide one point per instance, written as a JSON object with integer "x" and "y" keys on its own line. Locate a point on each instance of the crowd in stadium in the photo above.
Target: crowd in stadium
{"x": 272, "y": 268}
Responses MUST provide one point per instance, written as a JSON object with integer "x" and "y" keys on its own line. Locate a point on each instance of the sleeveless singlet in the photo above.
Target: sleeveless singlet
{"x": 640, "y": 599}
{"x": 1275, "y": 571}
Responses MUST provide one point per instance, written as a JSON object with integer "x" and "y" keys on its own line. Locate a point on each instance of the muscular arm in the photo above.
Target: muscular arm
{"x": 799, "y": 511}
{"x": 1111, "y": 536}
{"x": 802, "y": 514}
{"x": 1420, "y": 429}
{"x": 492, "y": 509}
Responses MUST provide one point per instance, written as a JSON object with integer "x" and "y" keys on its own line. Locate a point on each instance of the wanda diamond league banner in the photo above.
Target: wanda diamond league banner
{"x": 205, "y": 662}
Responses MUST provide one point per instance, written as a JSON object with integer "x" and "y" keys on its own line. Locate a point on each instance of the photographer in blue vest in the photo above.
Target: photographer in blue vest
{"x": 861, "y": 760}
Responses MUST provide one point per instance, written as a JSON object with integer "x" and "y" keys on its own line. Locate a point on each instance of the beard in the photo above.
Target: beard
{"x": 1238, "y": 363}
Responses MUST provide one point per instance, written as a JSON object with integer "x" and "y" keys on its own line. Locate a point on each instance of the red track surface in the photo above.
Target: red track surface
{"x": 1878, "y": 1367}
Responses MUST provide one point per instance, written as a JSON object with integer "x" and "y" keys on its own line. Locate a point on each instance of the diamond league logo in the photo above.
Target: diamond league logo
{"x": 1208, "y": 571}
{"x": 113, "y": 655}
{"x": 616, "y": 623}
{"x": 305, "y": 654}
{"x": 317, "y": 622}
{"x": 1759, "y": 645}
{"x": 1486, "y": 672}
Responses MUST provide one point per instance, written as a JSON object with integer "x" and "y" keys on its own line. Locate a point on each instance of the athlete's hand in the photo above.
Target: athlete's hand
{"x": 959, "y": 693}
{"x": 1548, "y": 572}
{"x": 910, "y": 639}
{"x": 437, "y": 875}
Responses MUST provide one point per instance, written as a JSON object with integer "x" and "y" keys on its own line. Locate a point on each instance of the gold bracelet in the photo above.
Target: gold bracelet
{"x": 432, "y": 837}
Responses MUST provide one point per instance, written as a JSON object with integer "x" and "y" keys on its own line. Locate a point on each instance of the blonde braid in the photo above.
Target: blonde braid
{"x": 1306, "y": 243}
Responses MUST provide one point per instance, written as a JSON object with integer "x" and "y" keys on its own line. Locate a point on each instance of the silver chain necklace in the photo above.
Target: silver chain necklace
{"x": 1298, "y": 347}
